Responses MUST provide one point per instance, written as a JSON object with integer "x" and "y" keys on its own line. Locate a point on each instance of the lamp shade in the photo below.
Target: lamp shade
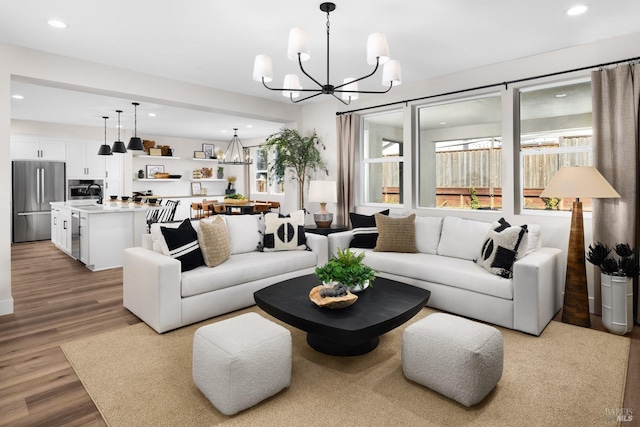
{"x": 579, "y": 182}
{"x": 350, "y": 86}
{"x": 291, "y": 81}
{"x": 392, "y": 73}
{"x": 322, "y": 191}
{"x": 377, "y": 47}
{"x": 262, "y": 68}
{"x": 298, "y": 43}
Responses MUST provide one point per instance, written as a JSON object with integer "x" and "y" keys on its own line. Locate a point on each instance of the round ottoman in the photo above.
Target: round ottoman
{"x": 456, "y": 357}
{"x": 241, "y": 361}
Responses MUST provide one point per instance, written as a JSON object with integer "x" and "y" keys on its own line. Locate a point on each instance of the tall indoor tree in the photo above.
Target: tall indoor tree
{"x": 300, "y": 154}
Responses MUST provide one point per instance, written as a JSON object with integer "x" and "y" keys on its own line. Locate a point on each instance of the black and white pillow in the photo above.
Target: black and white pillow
{"x": 182, "y": 244}
{"x": 365, "y": 233}
{"x": 503, "y": 245}
{"x": 284, "y": 233}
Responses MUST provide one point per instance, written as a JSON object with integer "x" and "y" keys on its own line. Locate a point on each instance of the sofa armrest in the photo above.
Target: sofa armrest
{"x": 319, "y": 245}
{"x": 151, "y": 284}
{"x": 339, "y": 240}
{"x": 537, "y": 289}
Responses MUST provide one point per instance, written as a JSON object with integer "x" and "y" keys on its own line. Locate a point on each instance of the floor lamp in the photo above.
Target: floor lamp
{"x": 577, "y": 182}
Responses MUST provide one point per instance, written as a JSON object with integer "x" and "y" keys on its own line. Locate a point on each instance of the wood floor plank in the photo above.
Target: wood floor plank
{"x": 57, "y": 300}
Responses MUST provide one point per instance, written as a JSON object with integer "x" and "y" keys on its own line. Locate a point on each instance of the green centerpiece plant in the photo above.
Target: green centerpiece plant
{"x": 346, "y": 267}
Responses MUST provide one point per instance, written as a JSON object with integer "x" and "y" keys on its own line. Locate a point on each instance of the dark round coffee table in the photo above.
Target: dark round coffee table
{"x": 349, "y": 331}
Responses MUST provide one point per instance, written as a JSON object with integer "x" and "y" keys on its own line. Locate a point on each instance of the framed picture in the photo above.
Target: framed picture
{"x": 209, "y": 149}
{"x": 196, "y": 188}
{"x": 199, "y": 155}
{"x": 153, "y": 169}
{"x": 155, "y": 151}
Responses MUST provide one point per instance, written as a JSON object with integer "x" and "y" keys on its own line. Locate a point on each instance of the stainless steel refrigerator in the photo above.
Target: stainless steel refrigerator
{"x": 35, "y": 184}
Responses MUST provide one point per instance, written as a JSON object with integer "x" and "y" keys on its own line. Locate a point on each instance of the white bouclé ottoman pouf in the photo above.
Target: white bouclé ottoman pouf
{"x": 241, "y": 361}
{"x": 456, "y": 357}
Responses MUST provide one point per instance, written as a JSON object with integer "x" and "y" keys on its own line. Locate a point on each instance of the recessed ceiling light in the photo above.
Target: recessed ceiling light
{"x": 577, "y": 10}
{"x": 249, "y": 126}
{"x": 223, "y": 131}
{"x": 17, "y": 97}
{"x": 152, "y": 114}
{"x": 57, "y": 23}
{"x": 443, "y": 123}
{"x": 561, "y": 95}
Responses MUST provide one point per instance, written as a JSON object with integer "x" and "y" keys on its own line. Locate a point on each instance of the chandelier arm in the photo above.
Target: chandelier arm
{"x": 305, "y": 72}
{"x": 289, "y": 89}
{"x": 304, "y": 99}
{"x": 363, "y": 77}
{"x": 342, "y": 100}
{"x": 366, "y": 91}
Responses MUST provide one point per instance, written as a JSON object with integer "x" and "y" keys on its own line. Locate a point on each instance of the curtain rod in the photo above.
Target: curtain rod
{"x": 505, "y": 84}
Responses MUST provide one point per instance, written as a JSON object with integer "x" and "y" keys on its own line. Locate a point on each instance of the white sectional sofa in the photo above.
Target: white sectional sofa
{"x": 158, "y": 292}
{"x": 444, "y": 264}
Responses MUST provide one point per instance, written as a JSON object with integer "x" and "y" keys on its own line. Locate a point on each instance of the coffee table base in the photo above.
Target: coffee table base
{"x": 323, "y": 345}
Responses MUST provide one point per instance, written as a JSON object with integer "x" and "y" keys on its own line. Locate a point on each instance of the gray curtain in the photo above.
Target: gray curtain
{"x": 616, "y": 106}
{"x": 347, "y": 125}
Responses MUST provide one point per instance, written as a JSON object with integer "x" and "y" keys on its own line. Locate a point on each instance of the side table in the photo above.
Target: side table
{"x": 334, "y": 228}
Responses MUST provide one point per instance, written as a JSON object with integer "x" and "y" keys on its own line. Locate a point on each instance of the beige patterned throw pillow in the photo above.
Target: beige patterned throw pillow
{"x": 214, "y": 241}
{"x": 396, "y": 234}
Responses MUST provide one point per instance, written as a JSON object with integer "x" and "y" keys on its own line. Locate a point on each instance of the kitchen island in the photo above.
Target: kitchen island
{"x": 96, "y": 234}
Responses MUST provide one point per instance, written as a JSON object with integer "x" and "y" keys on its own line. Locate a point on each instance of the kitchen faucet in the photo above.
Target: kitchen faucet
{"x": 99, "y": 191}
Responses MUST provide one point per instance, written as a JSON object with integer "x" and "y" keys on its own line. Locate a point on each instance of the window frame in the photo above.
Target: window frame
{"x": 271, "y": 184}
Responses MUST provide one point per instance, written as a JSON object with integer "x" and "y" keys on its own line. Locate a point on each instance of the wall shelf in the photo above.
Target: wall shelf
{"x": 157, "y": 157}
{"x": 208, "y": 180}
{"x": 159, "y": 179}
{"x": 205, "y": 160}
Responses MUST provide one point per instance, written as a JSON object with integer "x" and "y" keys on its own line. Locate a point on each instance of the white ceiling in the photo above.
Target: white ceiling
{"x": 213, "y": 43}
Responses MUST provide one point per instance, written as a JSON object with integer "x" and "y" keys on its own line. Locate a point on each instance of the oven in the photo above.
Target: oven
{"x": 77, "y": 189}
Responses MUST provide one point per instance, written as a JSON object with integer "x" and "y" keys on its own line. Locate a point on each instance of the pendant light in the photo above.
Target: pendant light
{"x": 135, "y": 143}
{"x": 105, "y": 150}
{"x": 118, "y": 146}
{"x": 235, "y": 154}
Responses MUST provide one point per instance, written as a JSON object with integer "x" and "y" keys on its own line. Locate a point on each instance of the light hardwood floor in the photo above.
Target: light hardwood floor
{"x": 57, "y": 300}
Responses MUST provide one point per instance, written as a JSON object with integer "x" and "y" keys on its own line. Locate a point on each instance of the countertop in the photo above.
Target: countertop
{"x": 108, "y": 206}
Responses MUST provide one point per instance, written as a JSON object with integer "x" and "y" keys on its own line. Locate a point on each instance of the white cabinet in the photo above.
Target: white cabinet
{"x": 113, "y": 175}
{"x": 84, "y": 238}
{"x": 32, "y": 148}
{"x": 61, "y": 228}
{"x": 83, "y": 161}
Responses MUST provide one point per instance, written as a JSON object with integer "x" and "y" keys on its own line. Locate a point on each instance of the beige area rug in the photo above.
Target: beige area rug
{"x": 568, "y": 376}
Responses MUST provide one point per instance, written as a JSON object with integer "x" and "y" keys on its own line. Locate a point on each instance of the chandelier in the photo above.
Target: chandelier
{"x": 377, "y": 53}
{"x": 235, "y": 154}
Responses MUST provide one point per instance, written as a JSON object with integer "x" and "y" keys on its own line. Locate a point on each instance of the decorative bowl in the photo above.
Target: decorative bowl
{"x": 125, "y": 198}
{"x": 113, "y": 197}
{"x": 331, "y": 302}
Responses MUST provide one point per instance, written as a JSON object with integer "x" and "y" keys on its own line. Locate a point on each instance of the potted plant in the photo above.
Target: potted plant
{"x": 616, "y": 280}
{"x": 347, "y": 268}
{"x": 300, "y": 154}
{"x": 220, "y": 172}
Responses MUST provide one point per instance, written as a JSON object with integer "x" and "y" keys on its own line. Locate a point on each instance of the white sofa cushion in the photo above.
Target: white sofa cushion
{"x": 428, "y": 230}
{"x": 462, "y": 238}
{"x": 448, "y": 271}
{"x": 534, "y": 238}
{"x": 243, "y": 268}
{"x": 244, "y": 233}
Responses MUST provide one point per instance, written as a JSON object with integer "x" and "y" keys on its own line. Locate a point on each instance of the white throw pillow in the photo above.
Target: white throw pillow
{"x": 462, "y": 238}
{"x": 284, "y": 233}
{"x": 503, "y": 246}
{"x": 244, "y": 234}
{"x": 428, "y": 230}
{"x": 535, "y": 238}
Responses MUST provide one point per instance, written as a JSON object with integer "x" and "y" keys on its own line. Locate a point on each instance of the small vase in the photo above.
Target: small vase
{"x": 220, "y": 174}
{"x": 359, "y": 287}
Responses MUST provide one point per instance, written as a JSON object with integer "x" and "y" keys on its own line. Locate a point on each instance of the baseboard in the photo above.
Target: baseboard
{"x": 6, "y": 306}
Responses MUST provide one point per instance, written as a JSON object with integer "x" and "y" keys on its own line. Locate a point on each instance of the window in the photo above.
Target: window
{"x": 460, "y": 154}
{"x": 382, "y": 149}
{"x": 261, "y": 182}
{"x": 556, "y": 131}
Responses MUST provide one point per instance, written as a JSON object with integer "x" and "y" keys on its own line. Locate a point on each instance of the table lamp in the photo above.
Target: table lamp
{"x": 323, "y": 192}
{"x": 576, "y": 182}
